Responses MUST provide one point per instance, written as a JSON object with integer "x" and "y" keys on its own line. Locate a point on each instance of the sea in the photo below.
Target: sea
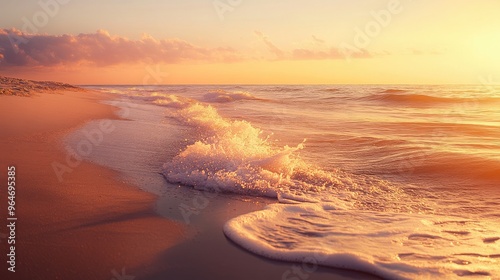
{"x": 398, "y": 181}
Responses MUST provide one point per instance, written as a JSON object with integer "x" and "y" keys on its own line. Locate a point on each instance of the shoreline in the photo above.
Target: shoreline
{"x": 87, "y": 226}
{"x": 138, "y": 144}
{"x": 91, "y": 222}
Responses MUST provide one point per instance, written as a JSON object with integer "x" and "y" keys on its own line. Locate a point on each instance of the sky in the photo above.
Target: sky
{"x": 251, "y": 41}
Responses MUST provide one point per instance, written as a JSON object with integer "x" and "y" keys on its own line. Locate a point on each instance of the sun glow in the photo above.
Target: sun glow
{"x": 486, "y": 46}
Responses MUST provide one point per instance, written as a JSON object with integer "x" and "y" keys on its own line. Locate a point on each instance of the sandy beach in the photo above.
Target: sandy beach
{"x": 88, "y": 226}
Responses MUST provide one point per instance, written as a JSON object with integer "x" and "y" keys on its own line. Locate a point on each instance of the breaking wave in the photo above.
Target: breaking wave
{"x": 222, "y": 96}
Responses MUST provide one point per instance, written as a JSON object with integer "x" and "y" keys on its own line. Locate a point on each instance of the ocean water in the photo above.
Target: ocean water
{"x": 402, "y": 182}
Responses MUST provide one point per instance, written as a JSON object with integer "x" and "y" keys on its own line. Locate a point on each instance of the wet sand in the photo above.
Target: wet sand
{"x": 87, "y": 226}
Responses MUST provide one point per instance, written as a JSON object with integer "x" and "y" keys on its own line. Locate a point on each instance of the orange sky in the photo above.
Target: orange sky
{"x": 251, "y": 42}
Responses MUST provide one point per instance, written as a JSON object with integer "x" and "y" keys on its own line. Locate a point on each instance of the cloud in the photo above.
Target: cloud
{"x": 318, "y": 40}
{"x": 271, "y": 47}
{"x": 313, "y": 54}
{"x": 101, "y": 49}
{"x": 332, "y": 53}
{"x": 425, "y": 52}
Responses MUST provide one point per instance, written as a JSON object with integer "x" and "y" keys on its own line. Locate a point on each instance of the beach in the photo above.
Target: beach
{"x": 248, "y": 140}
{"x": 232, "y": 182}
{"x": 86, "y": 226}
{"x": 79, "y": 219}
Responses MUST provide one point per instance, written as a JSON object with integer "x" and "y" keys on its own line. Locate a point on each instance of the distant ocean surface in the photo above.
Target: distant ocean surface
{"x": 399, "y": 181}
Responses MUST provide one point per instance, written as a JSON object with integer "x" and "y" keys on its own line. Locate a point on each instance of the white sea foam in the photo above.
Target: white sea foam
{"x": 390, "y": 245}
{"x": 233, "y": 156}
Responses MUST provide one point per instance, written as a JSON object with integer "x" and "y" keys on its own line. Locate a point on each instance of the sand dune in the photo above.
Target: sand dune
{"x": 20, "y": 87}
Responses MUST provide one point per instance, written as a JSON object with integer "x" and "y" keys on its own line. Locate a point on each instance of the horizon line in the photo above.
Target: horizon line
{"x": 368, "y": 84}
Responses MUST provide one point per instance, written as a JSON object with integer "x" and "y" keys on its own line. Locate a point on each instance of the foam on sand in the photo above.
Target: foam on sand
{"x": 390, "y": 245}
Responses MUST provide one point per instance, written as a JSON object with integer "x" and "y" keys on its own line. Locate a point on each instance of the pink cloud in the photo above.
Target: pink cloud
{"x": 101, "y": 49}
{"x": 311, "y": 54}
{"x": 270, "y": 46}
{"x": 332, "y": 53}
{"x": 318, "y": 40}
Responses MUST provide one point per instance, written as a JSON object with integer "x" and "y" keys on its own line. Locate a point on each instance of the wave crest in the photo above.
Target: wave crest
{"x": 233, "y": 156}
{"x": 222, "y": 96}
{"x": 171, "y": 100}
